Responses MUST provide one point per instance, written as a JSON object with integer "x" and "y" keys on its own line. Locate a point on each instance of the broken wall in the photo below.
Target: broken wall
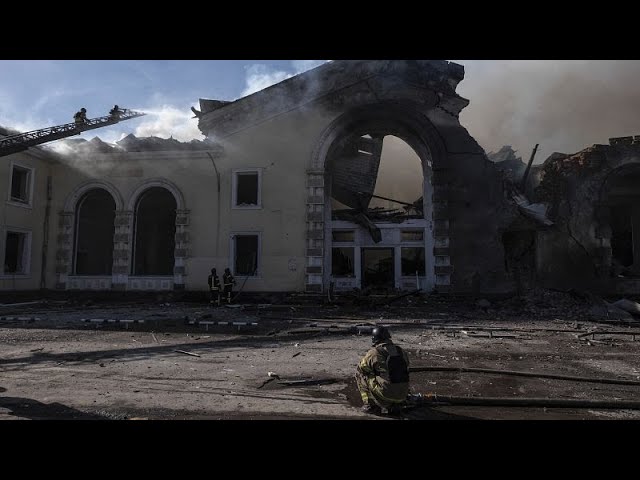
{"x": 578, "y": 252}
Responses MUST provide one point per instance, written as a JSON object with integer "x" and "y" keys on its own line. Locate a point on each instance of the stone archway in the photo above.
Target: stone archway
{"x": 125, "y": 224}
{"x": 407, "y": 122}
{"x": 94, "y": 230}
{"x": 154, "y": 233}
{"x": 65, "y": 251}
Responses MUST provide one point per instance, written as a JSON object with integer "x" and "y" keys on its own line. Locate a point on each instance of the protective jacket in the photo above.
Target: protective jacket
{"x": 384, "y": 375}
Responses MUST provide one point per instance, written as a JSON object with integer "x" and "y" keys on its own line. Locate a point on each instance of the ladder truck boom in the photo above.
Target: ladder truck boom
{"x": 22, "y": 141}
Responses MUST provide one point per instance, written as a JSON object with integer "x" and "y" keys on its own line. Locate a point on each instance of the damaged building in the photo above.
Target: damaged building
{"x": 594, "y": 200}
{"x": 353, "y": 175}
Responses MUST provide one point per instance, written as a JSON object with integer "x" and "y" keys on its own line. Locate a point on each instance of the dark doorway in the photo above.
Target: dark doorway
{"x": 622, "y": 235}
{"x": 155, "y": 229}
{"x": 378, "y": 268}
{"x": 95, "y": 216}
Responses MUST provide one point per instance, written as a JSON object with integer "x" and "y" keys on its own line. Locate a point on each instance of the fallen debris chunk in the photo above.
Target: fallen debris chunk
{"x": 274, "y": 375}
{"x": 296, "y": 354}
{"x": 187, "y": 353}
{"x": 37, "y": 350}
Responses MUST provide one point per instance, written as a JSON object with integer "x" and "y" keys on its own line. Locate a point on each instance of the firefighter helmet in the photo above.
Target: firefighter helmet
{"x": 379, "y": 334}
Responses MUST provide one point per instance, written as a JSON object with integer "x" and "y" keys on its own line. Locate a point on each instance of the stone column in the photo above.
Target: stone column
{"x": 122, "y": 250}
{"x": 181, "y": 252}
{"x": 64, "y": 252}
{"x": 315, "y": 231}
{"x": 443, "y": 267}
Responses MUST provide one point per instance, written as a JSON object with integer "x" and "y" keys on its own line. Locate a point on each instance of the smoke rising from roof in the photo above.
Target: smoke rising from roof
{"x": 261, "y": 76}
{"x": 564, "y": 105}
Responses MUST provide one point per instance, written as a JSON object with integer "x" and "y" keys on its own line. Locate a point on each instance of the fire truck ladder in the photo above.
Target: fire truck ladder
{"x": 22, "y": 141}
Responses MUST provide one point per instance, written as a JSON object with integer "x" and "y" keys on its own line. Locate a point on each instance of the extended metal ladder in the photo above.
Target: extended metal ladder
{"x": 22, "y": 141}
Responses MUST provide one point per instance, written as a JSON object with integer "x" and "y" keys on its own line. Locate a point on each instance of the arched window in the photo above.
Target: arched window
{"x": 154, "y": 233}
{"x": 95, "y": 214}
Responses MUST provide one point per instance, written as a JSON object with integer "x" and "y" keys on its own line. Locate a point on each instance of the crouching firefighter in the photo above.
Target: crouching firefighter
{"x": 214, "y": 287}
{"x": 382, "y": 375}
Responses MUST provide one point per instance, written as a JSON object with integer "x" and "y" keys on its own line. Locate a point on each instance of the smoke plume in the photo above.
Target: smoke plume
{"x": 564, "y": 105}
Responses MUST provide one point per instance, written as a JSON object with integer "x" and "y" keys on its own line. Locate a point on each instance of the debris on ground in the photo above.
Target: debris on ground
{"x": 187, "y": 353}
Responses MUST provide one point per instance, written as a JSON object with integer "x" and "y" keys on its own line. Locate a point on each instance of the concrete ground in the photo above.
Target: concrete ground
{"x": 63, "y": 360}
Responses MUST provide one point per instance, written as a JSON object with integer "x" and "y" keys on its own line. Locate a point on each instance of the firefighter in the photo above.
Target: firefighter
{"x": 228, "y": 282}
{"x": 115, "y": 112}
{"x": 81, "y": 116}
{"x": 214, "y": 287}
{"x": 382, "y": 375}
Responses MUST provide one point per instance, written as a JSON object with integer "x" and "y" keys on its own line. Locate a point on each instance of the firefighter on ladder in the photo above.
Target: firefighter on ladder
{"x": 115, "y": 112}
{"x": 214, "y": 288}
{"x": 81, "y": 116}
{"x": 228, "y": 282}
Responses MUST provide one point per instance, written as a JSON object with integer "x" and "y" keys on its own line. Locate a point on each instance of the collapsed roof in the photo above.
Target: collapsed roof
{"x": 131, "y": 143}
